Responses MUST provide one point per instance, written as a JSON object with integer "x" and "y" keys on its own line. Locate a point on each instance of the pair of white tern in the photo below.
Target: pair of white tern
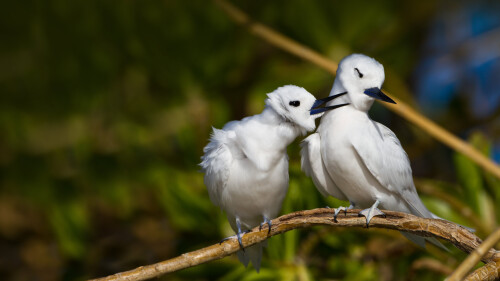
{"x": 350, "y": 156}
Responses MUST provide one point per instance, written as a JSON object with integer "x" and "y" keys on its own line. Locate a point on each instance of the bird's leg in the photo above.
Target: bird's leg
{"x": 238, "y": 225}
{"x": 371, "y": 212}
{"x": 238, "y": 234}
{"x": 269, "y": 224}
{"x": 337, "y": 211}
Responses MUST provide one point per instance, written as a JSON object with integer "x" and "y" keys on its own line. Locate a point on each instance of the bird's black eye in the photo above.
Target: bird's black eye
{"x": 295, "y": 103}
{"x": 359, "y": 73}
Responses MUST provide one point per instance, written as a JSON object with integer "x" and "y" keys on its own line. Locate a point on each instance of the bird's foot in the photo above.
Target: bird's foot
{"x": 337, "y": 211}
{"x": 238, "y": 235}
{"x": 269, "y": 224}
{"x": 371, "y": 212}
{"x": 225, "y": 239}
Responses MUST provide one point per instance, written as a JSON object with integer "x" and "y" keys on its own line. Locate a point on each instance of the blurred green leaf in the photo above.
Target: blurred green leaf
{"x": 469, "y": 176}
{"x": 70, "y": 223}
{"x": 105, "y": 110}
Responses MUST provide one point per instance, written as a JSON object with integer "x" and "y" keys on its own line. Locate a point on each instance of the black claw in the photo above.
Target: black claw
{"x": 239, "y": 238}
{"x": 223, "y": 240}
{"x": 240, "y": 242}
{"x": 269, "y": 224}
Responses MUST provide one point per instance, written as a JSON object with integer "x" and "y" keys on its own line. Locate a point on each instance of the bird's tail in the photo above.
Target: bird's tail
{"x": 252, "y": 254}
{"x": 419, "y": 240}
{"x": 434, "y": 216}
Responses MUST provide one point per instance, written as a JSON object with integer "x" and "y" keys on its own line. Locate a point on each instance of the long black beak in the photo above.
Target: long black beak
{"x": 315, "y": 109}
{"x": 377, "y": 93}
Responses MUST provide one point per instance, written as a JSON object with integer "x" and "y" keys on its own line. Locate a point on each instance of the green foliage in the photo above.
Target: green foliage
{"x": 106, "y": 107}
{"x": 479, "y": 188}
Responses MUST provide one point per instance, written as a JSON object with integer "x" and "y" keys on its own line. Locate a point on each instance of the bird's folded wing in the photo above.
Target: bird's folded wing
{"x": 312, "y": 164}
{"x": 389, "y": 164}
{"x": 216, "y": 163}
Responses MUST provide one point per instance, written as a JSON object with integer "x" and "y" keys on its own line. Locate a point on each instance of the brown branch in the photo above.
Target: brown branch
{"x": 475, "y": 256}
{"x": 424, "y": 187}
{"x": 275, "y": 38}
{"x": 460, "y": 237}
{"x": 489, "y": 272}
{"x": 401, "y": 108}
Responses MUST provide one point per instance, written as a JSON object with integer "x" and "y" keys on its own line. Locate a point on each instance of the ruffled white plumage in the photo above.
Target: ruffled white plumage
{"x": 246, "y": 164}
{"x": 217, "y": 164}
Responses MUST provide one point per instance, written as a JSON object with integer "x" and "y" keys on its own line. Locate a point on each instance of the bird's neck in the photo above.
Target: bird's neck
{"x": 284, "y": 130}
{"x": 337, "y": 88}
{"x": 355, "y": 97}
{"x": 361, "y": 102}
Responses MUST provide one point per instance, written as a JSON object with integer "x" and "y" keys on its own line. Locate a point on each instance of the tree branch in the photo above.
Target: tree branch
{"x": 489, "y": 272}
{"x": 459, "y": 236}
{"x": 475, "y": 256}
{"x": 402, "y": 109}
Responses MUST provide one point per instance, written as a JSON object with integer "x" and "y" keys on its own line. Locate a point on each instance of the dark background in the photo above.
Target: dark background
{"x": 105, "y": 107}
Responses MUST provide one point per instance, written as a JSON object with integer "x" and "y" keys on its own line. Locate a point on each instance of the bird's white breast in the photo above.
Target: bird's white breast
{"x": 256, "y": 187}
{"x": 337, "y": 129}
{"x": 252, "y": 193}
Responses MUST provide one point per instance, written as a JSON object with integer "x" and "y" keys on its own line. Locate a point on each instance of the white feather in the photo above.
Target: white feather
{"x": 364, "y": 158}
{"x": 246, "y": 164}
{"x": 312, "y": 164}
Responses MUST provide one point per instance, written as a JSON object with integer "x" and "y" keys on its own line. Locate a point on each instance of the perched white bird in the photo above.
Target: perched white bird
{"x": 354, "y": 158}
{"x": 246, "y": 164}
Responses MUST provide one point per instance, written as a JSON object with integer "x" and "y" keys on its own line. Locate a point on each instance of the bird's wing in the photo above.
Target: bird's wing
{"x": 390, "y": 165}
{"x": 216, "y": 163}
{"x": 312, "y": 164}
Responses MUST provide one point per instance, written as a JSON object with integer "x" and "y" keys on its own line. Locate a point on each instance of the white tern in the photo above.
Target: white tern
{"x": 354, "y": 158}
{"x": 246, "y": 164}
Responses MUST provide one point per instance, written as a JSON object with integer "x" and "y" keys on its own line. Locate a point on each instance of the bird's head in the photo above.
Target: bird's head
{"x": 293, "y": 103}
{"x": 361, "y": 77}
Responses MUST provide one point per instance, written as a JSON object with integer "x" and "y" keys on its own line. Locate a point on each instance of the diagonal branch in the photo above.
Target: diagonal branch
{"x": 475, "y": 256}
{"x": 401, "y": 108}
{"x": 489, "y": 272}
{"x": 277, "y": 39}
{"x": 459, "y": 236}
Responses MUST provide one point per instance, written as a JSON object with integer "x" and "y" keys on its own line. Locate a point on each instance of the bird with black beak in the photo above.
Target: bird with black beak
{"x": 356, "y": 159}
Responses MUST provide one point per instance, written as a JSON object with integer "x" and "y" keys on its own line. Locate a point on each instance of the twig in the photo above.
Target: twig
{"x": 489, "y": 272}
{"x": 275, "y": 38}
{"x": 463, "y": 209}
{"x": 475, "y": 257}
{"x": 431, "y": 264}
{"x": 401, "y": 108}
{"x": 460, "y": 237}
